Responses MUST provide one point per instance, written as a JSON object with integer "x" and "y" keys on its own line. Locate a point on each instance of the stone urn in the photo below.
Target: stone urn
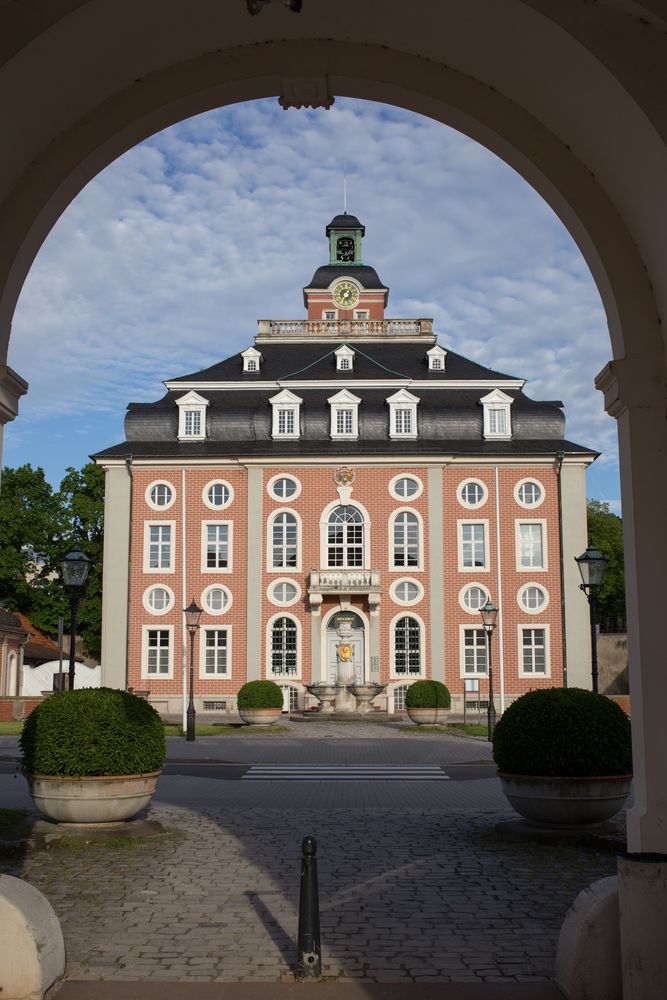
{"x": 260, "y": 716}
{"x": 96, "y": 800}
{"x": 428, "y": 716}
{"x": 566, "y": 803}
{"x": 325, "y": 694}
{"x": 364, "y": 693}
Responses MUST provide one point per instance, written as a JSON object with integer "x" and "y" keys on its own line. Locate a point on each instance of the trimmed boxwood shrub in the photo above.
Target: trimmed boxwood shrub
{"x": 93, "y": 732}
{"x": 428, "y": 694}
{"x": 563, "y": 732}
{"x": 260, "y": 694}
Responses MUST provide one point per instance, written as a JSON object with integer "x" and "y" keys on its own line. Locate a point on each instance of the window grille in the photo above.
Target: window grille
{"x": 407, "y": 646}
{"x": 474, "y": 641}
{"x": 159, "y": 546}
{"x": 283, "y": 646}
{"x": 534, "y": 651}
{"x": 406, "y": 539}
{"x": 473, "y": 547}
{"x": 157, "y": 659}
{"x": 284, "y": 541}
{"x": 345, "y": 536}
{"x": 215, "y": 661}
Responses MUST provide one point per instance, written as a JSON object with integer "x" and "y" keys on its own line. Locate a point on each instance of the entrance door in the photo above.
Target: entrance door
{"x": 354, "y": 667}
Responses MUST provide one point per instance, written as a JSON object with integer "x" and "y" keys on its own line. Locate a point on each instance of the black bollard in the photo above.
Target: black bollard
{"x": 309, "y": 949}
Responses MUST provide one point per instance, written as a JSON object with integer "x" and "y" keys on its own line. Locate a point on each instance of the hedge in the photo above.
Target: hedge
{"x": 260, "y": 694}
{"x": 428, "y": 694}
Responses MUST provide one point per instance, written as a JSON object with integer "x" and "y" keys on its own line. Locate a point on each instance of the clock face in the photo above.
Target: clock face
{"x": 345, "y": 294}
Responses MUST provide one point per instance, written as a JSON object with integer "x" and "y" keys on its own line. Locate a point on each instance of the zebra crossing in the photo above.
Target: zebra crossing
{"x": 345, "y": 772}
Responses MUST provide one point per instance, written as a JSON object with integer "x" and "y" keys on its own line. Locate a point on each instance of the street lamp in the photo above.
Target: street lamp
{"x": 489, "y": 615}
{"x": 592, "y": 565}
{"x": 192, "y": 615}
{"x": 75, "y": 568}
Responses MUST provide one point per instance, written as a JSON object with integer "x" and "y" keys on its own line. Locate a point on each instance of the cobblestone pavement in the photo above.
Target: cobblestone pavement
{"x": 415, "y": 885}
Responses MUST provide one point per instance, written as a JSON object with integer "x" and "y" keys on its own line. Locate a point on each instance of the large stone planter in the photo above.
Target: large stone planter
{"x": 260, "y": 716}
{"x": 364, "y": 693}
{"x": 566, "y": 803}
{"x": 428, "y": 716}
{"x": 92, "y": 800}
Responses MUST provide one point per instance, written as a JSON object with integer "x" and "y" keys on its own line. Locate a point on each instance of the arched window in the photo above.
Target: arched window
{"x": 284, "y": 541}
{"x": 407, "y": 646}
{"x": 284, "y": 646}
{"x": 405, "y": 552}
{"x": 345, "y": 537}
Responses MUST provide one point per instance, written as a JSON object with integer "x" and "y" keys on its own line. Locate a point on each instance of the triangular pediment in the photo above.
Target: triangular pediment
{"x": 403, "y": 396}
{"x": 285, "y": 397}
{"x": 344, "y": 396}
{"x": 251, "y": 352}
{"x": 192, "y": 398}
{"x": 496, "y": 396}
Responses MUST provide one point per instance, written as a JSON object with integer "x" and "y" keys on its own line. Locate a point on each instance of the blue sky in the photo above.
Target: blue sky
{"x": 165, "y": 261}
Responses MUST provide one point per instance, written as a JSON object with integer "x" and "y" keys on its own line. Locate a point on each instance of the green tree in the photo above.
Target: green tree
{"x": 605, "y": 532}
{"x": 82, "y": 498}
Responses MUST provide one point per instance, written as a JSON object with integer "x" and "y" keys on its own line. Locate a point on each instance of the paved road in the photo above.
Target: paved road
{"x": 415, "y": 885}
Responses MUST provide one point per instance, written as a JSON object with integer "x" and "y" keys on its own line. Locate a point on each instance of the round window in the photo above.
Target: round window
{"x": 407, "y": 591}
{"x": 472, "y": 493}
{"x": 160, "y": 495}
{"x": 529, "y": 493}
{"x": 158, "y": 600}
{"x": 217, "y": 494}
{"x": 533, "y": 598}
{"x": 216, "y": 600}
{"x": 284, "y": 592}
{"x": 473, "y": 597}
{"x": 284, "y": 488}
{"x": 405, "y": 487}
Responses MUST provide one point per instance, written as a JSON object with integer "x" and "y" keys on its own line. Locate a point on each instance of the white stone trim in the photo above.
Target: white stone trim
{"x": 217, "y": 482}
{"x": 191, "y": 402}
{"x": 522, "y": 503}
{"x": 270, "y": 595}
{"x": 344, "y": 354}
{"x": 437, "y": 354}
{"x": 521, "y": 591}
{"x": 148, "y": 524}
{"x": 286, "y": 678}
{"x": 402, "y": 400}
{"x": 283, "y": 475}
{"x": 393, "y": 587}
{"x": 497, "y": 400}
{"x": 228, "y": 602}
{"x": 203, "y": 676}
{"x": 229, "y": 568}
{"x": 466, "y": 627}
{"x": 547, "y": 648}
{"x": 151, "y": 503}
{"x": 156, "y": 627}
{"x": 344, "y": 400}
{"x": 145, "y": 599}
{"x": 270, "y": 568}
{"x": 407, "y": 678}
{"x": 462, "y": 592}
{"x": 393, "y": 568}
{"x": 286, "y": 401}
{"x": 459, "y": 538}
{"x": 466, "y": 482}
{"x": 405, "y": 475}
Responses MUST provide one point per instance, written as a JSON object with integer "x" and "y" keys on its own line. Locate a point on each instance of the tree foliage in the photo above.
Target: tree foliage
{"x": 605, "y": 532}
{"x": 38, "y": 526}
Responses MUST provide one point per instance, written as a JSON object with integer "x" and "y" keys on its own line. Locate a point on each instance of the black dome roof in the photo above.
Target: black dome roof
{"x": 345, "y": 221}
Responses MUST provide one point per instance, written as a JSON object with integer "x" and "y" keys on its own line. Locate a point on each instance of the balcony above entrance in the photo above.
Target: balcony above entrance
{"x": 345, "y": 583}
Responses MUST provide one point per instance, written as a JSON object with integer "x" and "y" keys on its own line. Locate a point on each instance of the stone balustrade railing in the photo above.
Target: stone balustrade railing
{"x": 344, "y": 328}
{"x": 344, "y": 579}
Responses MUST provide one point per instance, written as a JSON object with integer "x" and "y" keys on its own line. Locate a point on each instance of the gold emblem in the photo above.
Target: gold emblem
{"x": 344, "y": 476}
{"x": 345, "y": 652}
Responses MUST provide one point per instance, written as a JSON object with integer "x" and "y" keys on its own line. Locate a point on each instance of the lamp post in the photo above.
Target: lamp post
{"x": 192, "y": 615}
{"x": 592, "y": 565}
{"x": 75, "y": 569}
{"x": 489, "y": 615}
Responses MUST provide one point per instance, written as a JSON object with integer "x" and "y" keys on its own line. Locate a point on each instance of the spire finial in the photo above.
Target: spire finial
{"x": 344, "y": 188}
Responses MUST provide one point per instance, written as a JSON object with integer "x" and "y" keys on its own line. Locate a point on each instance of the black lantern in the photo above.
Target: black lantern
{"x": 592, "y": 565}
{"x": 75, "y": 569}
{"x": 192, "y": 615}
{"x": 489, "y": 615}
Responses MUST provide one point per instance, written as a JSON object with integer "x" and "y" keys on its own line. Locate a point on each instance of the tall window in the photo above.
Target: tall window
{"x": 403, "y": 421}
{"x": 284, "y": 646}
{"x": 533, "y": 651}
{"x": 157, "y": 651}
{"x": 344, "y": 421}
{"x": 286, "y": 421}
{"x": 159, "y": 546}
{"x": 474, "y": 651}
{"x": 407, "y": 646}
{"x": 217, "y": 546}
{"x": 284, "y": 541}
{"x": 531, "y": 554}
{"x": 215, "y": 652}
{"x": 345, "y": 538}
{"x": 473, "y": 547}
{"x": 497, "y": 420}
{"x": 406, "y": 539}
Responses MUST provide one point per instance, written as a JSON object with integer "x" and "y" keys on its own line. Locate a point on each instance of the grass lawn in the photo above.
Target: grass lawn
{"x": 470, "y": 729}
{"x": 11, "y": 728}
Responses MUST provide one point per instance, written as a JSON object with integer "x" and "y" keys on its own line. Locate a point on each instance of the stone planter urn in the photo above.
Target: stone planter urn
{"x": 566, "y": 803}
{"x": 325, "y": 694}
{"x": 260, "y": 716}
{"x": 364, "y": 693}
{"x": 97, "y": 800}
{"x": 428, "y": 716}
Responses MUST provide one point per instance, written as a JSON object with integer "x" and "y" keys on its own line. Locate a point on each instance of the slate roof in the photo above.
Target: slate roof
{"x": 345, "y": 221}
{"x": 366, "y": 276}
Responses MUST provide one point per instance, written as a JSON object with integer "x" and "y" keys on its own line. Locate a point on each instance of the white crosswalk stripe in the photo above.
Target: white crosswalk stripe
{"x": 345, "y": 772}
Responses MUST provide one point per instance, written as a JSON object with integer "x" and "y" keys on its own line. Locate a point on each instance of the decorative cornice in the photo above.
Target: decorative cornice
{"x": 12, "y": 387}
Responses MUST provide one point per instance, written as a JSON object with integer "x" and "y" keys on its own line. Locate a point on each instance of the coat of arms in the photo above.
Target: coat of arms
{"x": 344, "y": 476}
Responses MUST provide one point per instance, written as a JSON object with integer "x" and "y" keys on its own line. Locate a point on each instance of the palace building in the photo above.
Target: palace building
{"x": 344, "y": 468}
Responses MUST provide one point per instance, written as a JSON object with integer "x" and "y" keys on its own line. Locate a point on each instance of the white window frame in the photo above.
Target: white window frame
{"x": 472, "y": 482}
{"x": 437, "y": 359}
{"x": 269, "y": 649}
{"x": 145, "y": 629}
{"x": 395, "y": 584}
{"x": 270, "y": 488}
{"x": 210, "y": 485}
{"x": 361, "y": 314}
{"x": 204, "y": 599}
{"x": 344, "y": 359}
{"x": 191, "y": 402}
{"x": 204, "y": 630}
{"x": 402, "y": 401}
{"x": 394, "y": 674}
{"x": 462, "y": 593}
{"x": 521, "y": 591}
{"x": 286, "y": 402}
{"x": 524, "y": 482}
{"x": 145, "y": 599}
{"x": 172, "y": 546}
{"x": 459, "y": 531}
{"x": 497, "y": 400}
{"x": 204, "y": 545}
{"x": 252, "y": 359}
{"x": 329, "y": 318}
{"x": 393, "y": 483}
{"x": 546, "y": 628}
{"x": 468, "y": 627}
{"x": 270, "y": 592}
{"x": 344, "y": 400}
{"x": 270, "y": 568}
{"x": 324, "y": 535}
{"x": 517, "y": 531}
{"x": 393, "y": 566}
{"x": 151, "y": 486}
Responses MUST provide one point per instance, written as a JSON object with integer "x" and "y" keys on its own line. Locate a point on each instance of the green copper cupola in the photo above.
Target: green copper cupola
{"x": 345, "y": 234}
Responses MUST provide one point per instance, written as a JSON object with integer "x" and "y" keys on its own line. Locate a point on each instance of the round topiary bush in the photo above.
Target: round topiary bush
{"x": 93, "y": 732}
{"x": 563, "y": 732}
{"x": 428, "y": 694}
{"x": 260, "y": 694}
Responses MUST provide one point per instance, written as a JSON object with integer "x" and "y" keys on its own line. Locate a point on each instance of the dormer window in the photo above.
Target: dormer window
{"x": 344, "y": 359}
{"x": 437, "y": 358}
{"x": 192, "y": 417}
{"x": 344, "y": 415}
{"x": 251, "y": 359}
{"x": 286, "y": 409}
{"x": 403, "y": 414}
{"x": 497, "y": 421}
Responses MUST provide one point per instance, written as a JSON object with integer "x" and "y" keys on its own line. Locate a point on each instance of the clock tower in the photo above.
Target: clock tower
{"x": 345, "y": 288}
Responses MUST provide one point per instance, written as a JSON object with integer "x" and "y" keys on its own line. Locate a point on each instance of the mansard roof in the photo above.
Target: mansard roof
{"x": 367, "y": 277}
